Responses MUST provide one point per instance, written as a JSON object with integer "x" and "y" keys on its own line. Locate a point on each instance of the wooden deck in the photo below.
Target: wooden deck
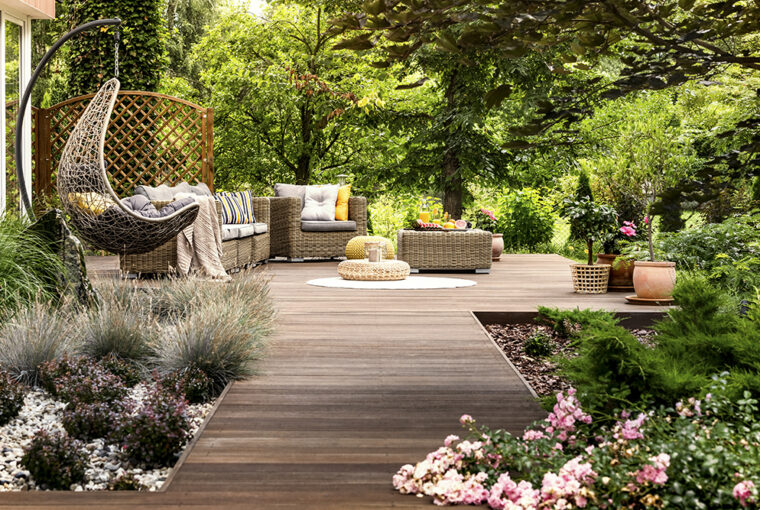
{"x": 355, "y": 384}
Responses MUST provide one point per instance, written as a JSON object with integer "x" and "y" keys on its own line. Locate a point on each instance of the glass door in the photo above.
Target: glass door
{"x": 12, "y": 85}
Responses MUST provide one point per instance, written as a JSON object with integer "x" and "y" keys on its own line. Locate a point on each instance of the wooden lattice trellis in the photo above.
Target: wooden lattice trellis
{"x": 152, "y": 139}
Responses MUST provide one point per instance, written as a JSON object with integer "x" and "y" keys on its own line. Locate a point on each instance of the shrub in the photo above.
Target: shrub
{"x": 90, "y": 421}
{"x": 567, "y": 323}
{"x": 157, "y": 432}
{"x": 33, "y": 336}
{"x": 592, "y": 221}
{"x": 539, "y": 345}
{"x": 116, "y": 329}
{"x": 11, "y": 398}
{"x": 526, "y": 218}
{"x": 55, "y": 460}
{"x": 126, "y": 482}
{"x": 582, "y": 190}
{"x": 192, "y": 382}
{"x": 127, "y": 371}
{"x": 95, "y": 386}
{"x": 27, "y": 267}
{"x": 65, "y": 366}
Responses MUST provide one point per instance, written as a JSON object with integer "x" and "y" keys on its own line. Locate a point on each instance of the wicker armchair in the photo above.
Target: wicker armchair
{"x": 288, "y": 240}
{"x": 236, "y": 253}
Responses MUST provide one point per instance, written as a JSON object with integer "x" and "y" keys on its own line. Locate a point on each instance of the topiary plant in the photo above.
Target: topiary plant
{"x": 55, "y": 460}
{"x": 11, "y": 398}
{"x": 582, "y": 190}
{"x": 593, "y": 221}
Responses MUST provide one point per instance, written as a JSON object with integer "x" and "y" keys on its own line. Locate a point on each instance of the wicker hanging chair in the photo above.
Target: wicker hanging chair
{"x": 95, "y": 211}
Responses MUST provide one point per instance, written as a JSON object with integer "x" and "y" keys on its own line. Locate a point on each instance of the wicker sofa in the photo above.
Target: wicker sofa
{"x": 291, "y": 241}
{"x": 236, "y": 253}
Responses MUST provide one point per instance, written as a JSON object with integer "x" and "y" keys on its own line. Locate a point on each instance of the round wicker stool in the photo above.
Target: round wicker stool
{"x": 362, "y": 269}
{"x": 355, "y": 247}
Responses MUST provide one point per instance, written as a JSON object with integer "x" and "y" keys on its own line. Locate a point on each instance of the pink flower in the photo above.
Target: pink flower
{"x": 465, "y": 419}
{"x": 646, "y": 220}
{"x": 532, "y": 435}
{"x": 450, "y": 439}
{"x": 655, "y": 472}
{"x": 743, "y": 492}
{"x": 628, "y": 231}
{"x": 630, "y": 429}
{"x": 507, "y": 495}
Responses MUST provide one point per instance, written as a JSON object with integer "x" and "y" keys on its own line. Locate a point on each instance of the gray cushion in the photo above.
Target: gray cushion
{"x": 319, "y": 203}
{"x": 260, "y": 228}
{"x": 328, "y": 226}
{"x": 165, "y": 193}
{"x": 290, "y": 190}
{"x": 142, "y": 206}
{"x": 230, "y": 232}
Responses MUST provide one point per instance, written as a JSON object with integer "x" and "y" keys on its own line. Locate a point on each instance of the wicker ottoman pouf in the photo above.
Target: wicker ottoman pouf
{"x": 355, "y": 247}
{"x": 361, "y": 269}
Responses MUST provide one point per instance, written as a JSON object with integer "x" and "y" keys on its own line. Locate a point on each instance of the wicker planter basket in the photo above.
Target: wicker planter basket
{"x": 590, "y": 279}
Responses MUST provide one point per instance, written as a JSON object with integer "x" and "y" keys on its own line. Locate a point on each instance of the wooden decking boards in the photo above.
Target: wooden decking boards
{"x": 355, "y": 384}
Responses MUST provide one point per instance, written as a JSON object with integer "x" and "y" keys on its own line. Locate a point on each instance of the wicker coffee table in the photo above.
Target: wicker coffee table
{"x": 362, "y": 269}
{"x": 446, "y": 250}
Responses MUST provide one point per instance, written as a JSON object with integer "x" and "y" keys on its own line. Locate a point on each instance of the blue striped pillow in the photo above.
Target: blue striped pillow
{"x": 237, "y": 207}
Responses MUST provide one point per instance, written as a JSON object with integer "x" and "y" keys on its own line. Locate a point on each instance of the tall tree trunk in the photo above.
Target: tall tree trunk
{"x": 303, "y": 171}
{"x": 453, "y": 185}
{"x": 303, "y": 165}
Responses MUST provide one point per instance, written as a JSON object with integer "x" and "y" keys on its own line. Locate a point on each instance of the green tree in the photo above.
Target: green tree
{"x": 287, "y": 105}
{"x": 582, "y": 190}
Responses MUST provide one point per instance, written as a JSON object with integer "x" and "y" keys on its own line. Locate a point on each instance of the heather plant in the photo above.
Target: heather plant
{"x": 97, "y": 385}
{"x": 155, "y": 433}
{"x": 192, "y": 382}
{"x": 55, "y": 460}
{"x": 90, "y": 421}
{"x": 11, "y": 398}
{"x": 33, "y": 336}
{"x": 698, "y": 453}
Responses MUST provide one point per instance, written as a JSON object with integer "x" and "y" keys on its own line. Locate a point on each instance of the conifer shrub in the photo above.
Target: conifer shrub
{"x": 55, "y": 460}
{"x": 539, "y": 345}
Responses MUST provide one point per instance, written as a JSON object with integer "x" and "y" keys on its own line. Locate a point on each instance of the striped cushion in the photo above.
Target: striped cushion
{"x": 237, "y": 207}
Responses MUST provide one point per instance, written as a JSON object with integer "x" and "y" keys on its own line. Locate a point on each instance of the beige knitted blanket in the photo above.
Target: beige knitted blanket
{"x": 199, "y": 246}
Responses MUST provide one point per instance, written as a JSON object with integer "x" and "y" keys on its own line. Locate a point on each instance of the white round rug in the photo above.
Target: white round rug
{"x": 411, "y": 283}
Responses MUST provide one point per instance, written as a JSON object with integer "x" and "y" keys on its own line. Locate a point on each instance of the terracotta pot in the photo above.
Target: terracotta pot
{"x": 497, "y": 246}
{"x": 654, "y": 280}
{"x": 621, "y": 275}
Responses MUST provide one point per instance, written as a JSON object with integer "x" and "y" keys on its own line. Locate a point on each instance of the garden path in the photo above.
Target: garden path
{"x": 356, "y": 384}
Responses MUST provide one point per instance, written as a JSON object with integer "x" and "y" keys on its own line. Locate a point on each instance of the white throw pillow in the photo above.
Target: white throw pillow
{"x": 319, "y": 203}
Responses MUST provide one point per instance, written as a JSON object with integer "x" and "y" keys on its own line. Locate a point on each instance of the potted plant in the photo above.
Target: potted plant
{"x": 653, "y": 279}
{"x": 593, "y": 222}
{"x": 621, "y": 273}
{"x": 486, "y": 220}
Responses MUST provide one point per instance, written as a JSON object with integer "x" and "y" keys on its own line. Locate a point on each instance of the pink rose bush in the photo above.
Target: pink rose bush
{"x": 640, "y": 460}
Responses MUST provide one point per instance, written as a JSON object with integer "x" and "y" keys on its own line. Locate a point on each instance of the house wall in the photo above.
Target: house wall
{"x": 37, "y": 9}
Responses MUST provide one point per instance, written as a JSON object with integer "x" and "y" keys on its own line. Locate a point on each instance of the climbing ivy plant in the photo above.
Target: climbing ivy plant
{"x": 141, "y": 51}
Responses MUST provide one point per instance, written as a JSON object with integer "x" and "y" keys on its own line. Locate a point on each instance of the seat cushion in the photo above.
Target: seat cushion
{"x": 237, "y": 207}
{"x": 290, "y": 190}
{"x": 164, "y": 193}
{"x": 230, "y": 232}
{"x": 319, "y": 203}
{"x": 341, "y": 207}
{"x": 328, "y": 226}
{"x": 260, "y": 228}
{"x": 141, "y": 205}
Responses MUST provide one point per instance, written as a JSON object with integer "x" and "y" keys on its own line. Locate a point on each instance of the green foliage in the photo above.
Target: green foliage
{"x": 33, "y": 336}
{"x": 539, "y": 345}
{"x": 27, "y": 267}
{"x": 526, "y": 218}
{"x": 11, "y": 398}
{"x": 592, "y": 221}
{"x": 390, "y": 213}
{"x": 54, "y": 460}
{"x": 568, "y": 323}
{"x": 192, "y": 382}
{"x": 582, "y": 190}
{"x": 702, "y": 337}
{"x": 141, "y": 51}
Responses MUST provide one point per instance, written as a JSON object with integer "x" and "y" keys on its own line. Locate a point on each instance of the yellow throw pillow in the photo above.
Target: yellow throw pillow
{"x": 95, "y": 203}
{"x": 341, "y": 206}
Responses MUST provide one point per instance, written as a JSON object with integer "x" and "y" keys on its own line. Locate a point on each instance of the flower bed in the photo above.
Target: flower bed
{"x": 698, "y": 454}
{"x": 107, "y": 463}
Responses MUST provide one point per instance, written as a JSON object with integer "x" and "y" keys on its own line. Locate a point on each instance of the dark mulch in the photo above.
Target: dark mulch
{"x": 541, "y": 372}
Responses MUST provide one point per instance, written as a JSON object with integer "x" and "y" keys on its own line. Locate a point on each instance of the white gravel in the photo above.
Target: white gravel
{"x": 106, "y": 463}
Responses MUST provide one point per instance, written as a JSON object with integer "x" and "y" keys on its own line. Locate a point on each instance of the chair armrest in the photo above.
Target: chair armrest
{"x": 357, "y": 211}
{"x": 285, "y": 213}
{"x": 261, "y": 209}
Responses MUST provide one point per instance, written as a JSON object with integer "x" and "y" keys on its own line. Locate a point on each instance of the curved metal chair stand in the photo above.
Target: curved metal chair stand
{"x": 94, "y": 209}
